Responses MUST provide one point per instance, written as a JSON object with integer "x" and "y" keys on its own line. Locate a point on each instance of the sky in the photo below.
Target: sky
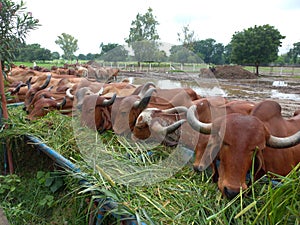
{"x": 92, "y": 22}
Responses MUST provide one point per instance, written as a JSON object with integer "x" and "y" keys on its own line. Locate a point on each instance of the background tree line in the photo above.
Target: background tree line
{"x": 258, "y": 45}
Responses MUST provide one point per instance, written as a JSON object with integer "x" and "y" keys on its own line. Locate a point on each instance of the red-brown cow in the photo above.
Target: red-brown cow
{"x": 96, "y": 110}
{"x": 236, "y": 138}
{"x": 151, "y": 121}
{"x": 45, "y": 105}
{"x": 124, "y": 114}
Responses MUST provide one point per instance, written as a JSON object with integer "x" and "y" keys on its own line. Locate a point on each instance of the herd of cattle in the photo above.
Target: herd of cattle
{"x": 226, "y": 135}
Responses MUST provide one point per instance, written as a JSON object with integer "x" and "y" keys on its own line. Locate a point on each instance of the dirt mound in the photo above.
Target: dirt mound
{"x": 232, "y": 72}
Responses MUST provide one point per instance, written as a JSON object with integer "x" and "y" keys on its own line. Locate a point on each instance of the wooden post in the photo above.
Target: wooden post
{"x": 5, "y": 116}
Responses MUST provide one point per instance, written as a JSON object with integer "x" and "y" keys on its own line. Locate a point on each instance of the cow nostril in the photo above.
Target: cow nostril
{"x": 198, "y": 168}
{"x": 230, "y": 194}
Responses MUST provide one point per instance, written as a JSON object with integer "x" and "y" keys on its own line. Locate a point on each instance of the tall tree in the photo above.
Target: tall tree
{"x": 68, "y": 44}
{"x": 143, "y": 36}
{"x": 256, "y": 45}
{"x": 143, "y": 28}
{"x": 294, "y": 53}
{"x": 15, "y": 24}
{"x": 187, "y": 38}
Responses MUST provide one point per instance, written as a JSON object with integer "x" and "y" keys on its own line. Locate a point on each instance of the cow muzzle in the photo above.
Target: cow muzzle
{"x": 229, "y": 193}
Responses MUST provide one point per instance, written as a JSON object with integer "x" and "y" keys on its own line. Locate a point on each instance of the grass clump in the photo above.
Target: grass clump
{"x": 125, "y": 179}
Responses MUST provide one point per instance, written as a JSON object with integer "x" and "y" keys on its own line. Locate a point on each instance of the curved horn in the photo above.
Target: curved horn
{"x": 157, "y": 127}
{"x": 142, "y": 104}
{"x": 284, "y": 142}
{"x": 177, "y": 109}
{"x": 28, "y": 82}
{"x": 17, "y": 89}
{"x": 197, "y": 125}
{"x": 100, "y": 92}
{"x": 145, "y": 88}
{"x": 68, "y": 93}
{"x": 50, "y": 88}
{"x": 45, "y": 84}
{"x": 108, "y": 102}
{"x": 61, "y": 104}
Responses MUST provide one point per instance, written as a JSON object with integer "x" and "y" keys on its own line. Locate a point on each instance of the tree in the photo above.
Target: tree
{"x": 108, "y": 47}
{"x": 15, "y": 24}
{"x": 143, "y": 34}
{"x": 180, "y": 54}
{"x": 187, "y": 38}
{"x": 227, "y": 53}
{"x": 143, "y": 28}
{"x": 116, "y": 54}
{"x": 68, "y": 44}
{"x": 33, "y": 52}
{"x": 209, "y": 51}
{"x": 256, "y": 45}
{"x": 55, "y": 55}
{"x": 294, "y": 53}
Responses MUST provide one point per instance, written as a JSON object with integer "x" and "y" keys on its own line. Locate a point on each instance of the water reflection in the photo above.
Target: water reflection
{"x": 280, "y": 95}
{"x": 214, "y": 88}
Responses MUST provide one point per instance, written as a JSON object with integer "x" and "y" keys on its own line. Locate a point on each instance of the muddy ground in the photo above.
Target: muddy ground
{"x": 236, "y": 83}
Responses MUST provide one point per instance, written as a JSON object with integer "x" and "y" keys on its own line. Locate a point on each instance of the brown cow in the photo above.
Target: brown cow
{"x": 45, "y": 105}
{"x": 96, "y": 112}
{"x": 124, "y": 114}
{"x": 153, "y": 124}
{"x": 236, "y": 138}
{"x": 95, "y": 88}
{"x": 57, "y": 89}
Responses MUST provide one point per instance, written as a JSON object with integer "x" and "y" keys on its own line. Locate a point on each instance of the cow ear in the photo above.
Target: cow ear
{"x": 259, "y": 164}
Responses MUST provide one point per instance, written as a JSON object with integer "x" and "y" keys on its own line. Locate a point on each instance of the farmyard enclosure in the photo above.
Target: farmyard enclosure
{"x": 94, "y": 190}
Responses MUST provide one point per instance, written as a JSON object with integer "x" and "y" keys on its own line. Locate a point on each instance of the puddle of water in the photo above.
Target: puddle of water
{"x": 280, "y": 95}
{"x": 213, "y": 88}
{"x": 279, "y": 83}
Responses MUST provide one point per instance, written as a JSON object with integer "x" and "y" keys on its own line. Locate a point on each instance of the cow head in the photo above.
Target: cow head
{"x": 125, "y": 113}
{"x": 80, "y": 94}
{"x": 96, "y": 112}
{"x": 32, "y": 90}
{"x": 45, "y": 105}
{"x": 236, "y": 140}
{"x": 159, "y": 125}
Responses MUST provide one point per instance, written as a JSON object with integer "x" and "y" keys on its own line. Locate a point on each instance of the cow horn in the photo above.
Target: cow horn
{"x": 61, "y": 104}
{"x": 284, "y": 142}
{"x": 142, "y": 104}
{"x": 145, "y": 88}
{"x": 100, "y": 92}
{"x": 108, "y": 102}
{"x": 46, "y": 82}
{"x": 68, "y": 93}
{"x": 197, "y": 125}
{"x": 17, "y": 89}
{"x": 28, "y": 82}
{"x": 157, "y": 127}
{"x": 177, "y": 109}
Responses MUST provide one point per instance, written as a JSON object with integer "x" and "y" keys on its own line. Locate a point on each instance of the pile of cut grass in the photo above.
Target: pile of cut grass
{"x": 113, "y": 168}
